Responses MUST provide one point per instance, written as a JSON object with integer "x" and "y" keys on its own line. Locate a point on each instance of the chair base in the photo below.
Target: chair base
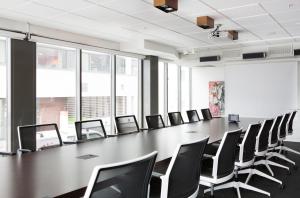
{"x": 252, "y": 171}
{"x": 267, "y": 163}
{"x": 275, "y": 154}
{"x": 237, "y": 185}
{"x": 284, "y": 148}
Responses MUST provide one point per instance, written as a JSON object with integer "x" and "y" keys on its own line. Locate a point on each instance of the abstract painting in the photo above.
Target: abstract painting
{"x": 216, "y": 98}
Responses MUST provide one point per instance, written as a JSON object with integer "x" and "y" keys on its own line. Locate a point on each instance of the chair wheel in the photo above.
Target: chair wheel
{"x": 282, "y": 186}
{"x": 289, "y": 172}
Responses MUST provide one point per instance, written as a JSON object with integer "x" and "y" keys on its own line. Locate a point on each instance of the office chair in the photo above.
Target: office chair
{"x": 261, "y": 150}
{"x": 274, "y": 142}
{"x": 283, "y": 131}
{"x": 193, "y": 116}
{"x": 219, "y": 168}
{"x": 175, "y": 118}
{"x": 155, "y": 122}
{"x": 206, "y": 114}
{"x": 89, "y": 130}
{"x": 126, "y": 124}
{"x": 291, "y": 122}
{"x": 38, "y": 137}
{"x": 124, "y": 179}
{"x": 181, "y": 178}
{"x": 245, "y": 160}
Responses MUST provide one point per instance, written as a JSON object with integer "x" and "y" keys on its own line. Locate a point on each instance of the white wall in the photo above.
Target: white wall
{"x": 262, "y": 89}
{"x": 200, "y": 79}
{"x": 253, "y": 89}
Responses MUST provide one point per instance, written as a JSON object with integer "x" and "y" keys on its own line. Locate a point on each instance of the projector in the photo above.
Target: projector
{"x": 223, "y": 34}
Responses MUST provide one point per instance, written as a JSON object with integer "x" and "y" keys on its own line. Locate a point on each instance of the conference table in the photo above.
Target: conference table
{"x": 65, "y": 171}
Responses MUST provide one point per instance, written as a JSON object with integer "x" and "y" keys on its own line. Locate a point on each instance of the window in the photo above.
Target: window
{"x": 3, "y": 95}
{"x": 172, "y": 88}
{"x": 161, "y": 88}
{"x": 96, "y": 87}
{"x": 185, "y": 91}
{"x": 56, "y": 87}
{"x": 127, "y": 88}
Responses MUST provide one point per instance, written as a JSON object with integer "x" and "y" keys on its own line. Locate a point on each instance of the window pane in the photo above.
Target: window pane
{"x": 127, "y": 86}
{"x": 185, "y": 91}
{"x": 161, "y": 88}
{"x": 3, "y": 96}
{"x": 96, "y": 87}
{"x": 172, "y": 87}
{"x": 56, "y": 88}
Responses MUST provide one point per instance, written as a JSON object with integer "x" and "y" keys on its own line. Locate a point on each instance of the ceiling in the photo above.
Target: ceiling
{"x": 258, "y": 21}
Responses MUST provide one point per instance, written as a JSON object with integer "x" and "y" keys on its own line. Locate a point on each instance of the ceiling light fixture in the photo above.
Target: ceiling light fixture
{"x": 205, "y": 22}
{"x": 166, "y": 5}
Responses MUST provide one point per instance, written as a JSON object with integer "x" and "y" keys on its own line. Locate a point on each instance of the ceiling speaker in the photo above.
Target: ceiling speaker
{"x": 209, "y": 58}
{"x": 166, "y": 5}
{"x": 205, "y": 22}
{"x": 255, "y": 55}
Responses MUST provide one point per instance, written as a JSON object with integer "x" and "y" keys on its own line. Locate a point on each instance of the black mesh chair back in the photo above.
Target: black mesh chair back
{"x": 283, "y": 125}
{"x": 227, "y": 153}
{"x": 206, "y": 114}
{"x": 126, "y": 179}
{"x": 38, "y": 137}
{"x": 248, "y": 143}
{"x": 185, "y": 172}
{"x": 90, "y": 129}
{"x": 193, "y": 116}
{"x": 291, "y": 121}
{"x": 263, "y": 135}
{"x": 155, "y": 122}
{"x": 175, "y": 118}
{"x": 275, "y": 130}
{"x": 126, "y": 124}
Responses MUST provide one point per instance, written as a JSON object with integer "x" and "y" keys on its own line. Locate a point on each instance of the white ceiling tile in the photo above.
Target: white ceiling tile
{"x": 287, "y": 16}
{"x": 245, "y": 11}
{"x": 274, "y": 6}
{"x": 36, "y": 10}
{"x": 12, "y": 3}
{"x": 255, "y": 20}
{"x": 67, "y": 5}
{"x": 222, "y": 4}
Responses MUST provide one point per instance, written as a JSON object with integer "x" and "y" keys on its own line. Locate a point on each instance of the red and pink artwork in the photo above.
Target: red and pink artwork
{"x": 216, "y": 98}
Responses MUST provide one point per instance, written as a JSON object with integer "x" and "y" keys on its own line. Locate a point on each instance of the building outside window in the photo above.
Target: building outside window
{"x": 56, "y": 87}
{"x": 127, "y": 89}
{"x": 3, "y": 95}
{"x": 185, "y": 91}
{"x": 173, "y": 88}
{"x": 96, "y": 87}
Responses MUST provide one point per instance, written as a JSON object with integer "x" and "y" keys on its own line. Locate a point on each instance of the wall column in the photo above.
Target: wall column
{"x": 23, "y": 87}
{"x": 150, "y": 85}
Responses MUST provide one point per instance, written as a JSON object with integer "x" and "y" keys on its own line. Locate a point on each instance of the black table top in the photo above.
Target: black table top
{"x": 58, "y": 172}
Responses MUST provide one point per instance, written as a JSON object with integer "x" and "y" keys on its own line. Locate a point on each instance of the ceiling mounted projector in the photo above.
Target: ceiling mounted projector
{"x": 223, "y": 34}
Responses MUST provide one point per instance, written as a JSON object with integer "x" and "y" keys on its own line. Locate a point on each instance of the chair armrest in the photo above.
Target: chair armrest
{"x": 208, "y": 156}
{"x": 21, "y": 151}
{"x": 7, "y": 153}
{"x": 112, "y": 135}
{"x": 156, "y": 174}
{"x": 70, "y": 142}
